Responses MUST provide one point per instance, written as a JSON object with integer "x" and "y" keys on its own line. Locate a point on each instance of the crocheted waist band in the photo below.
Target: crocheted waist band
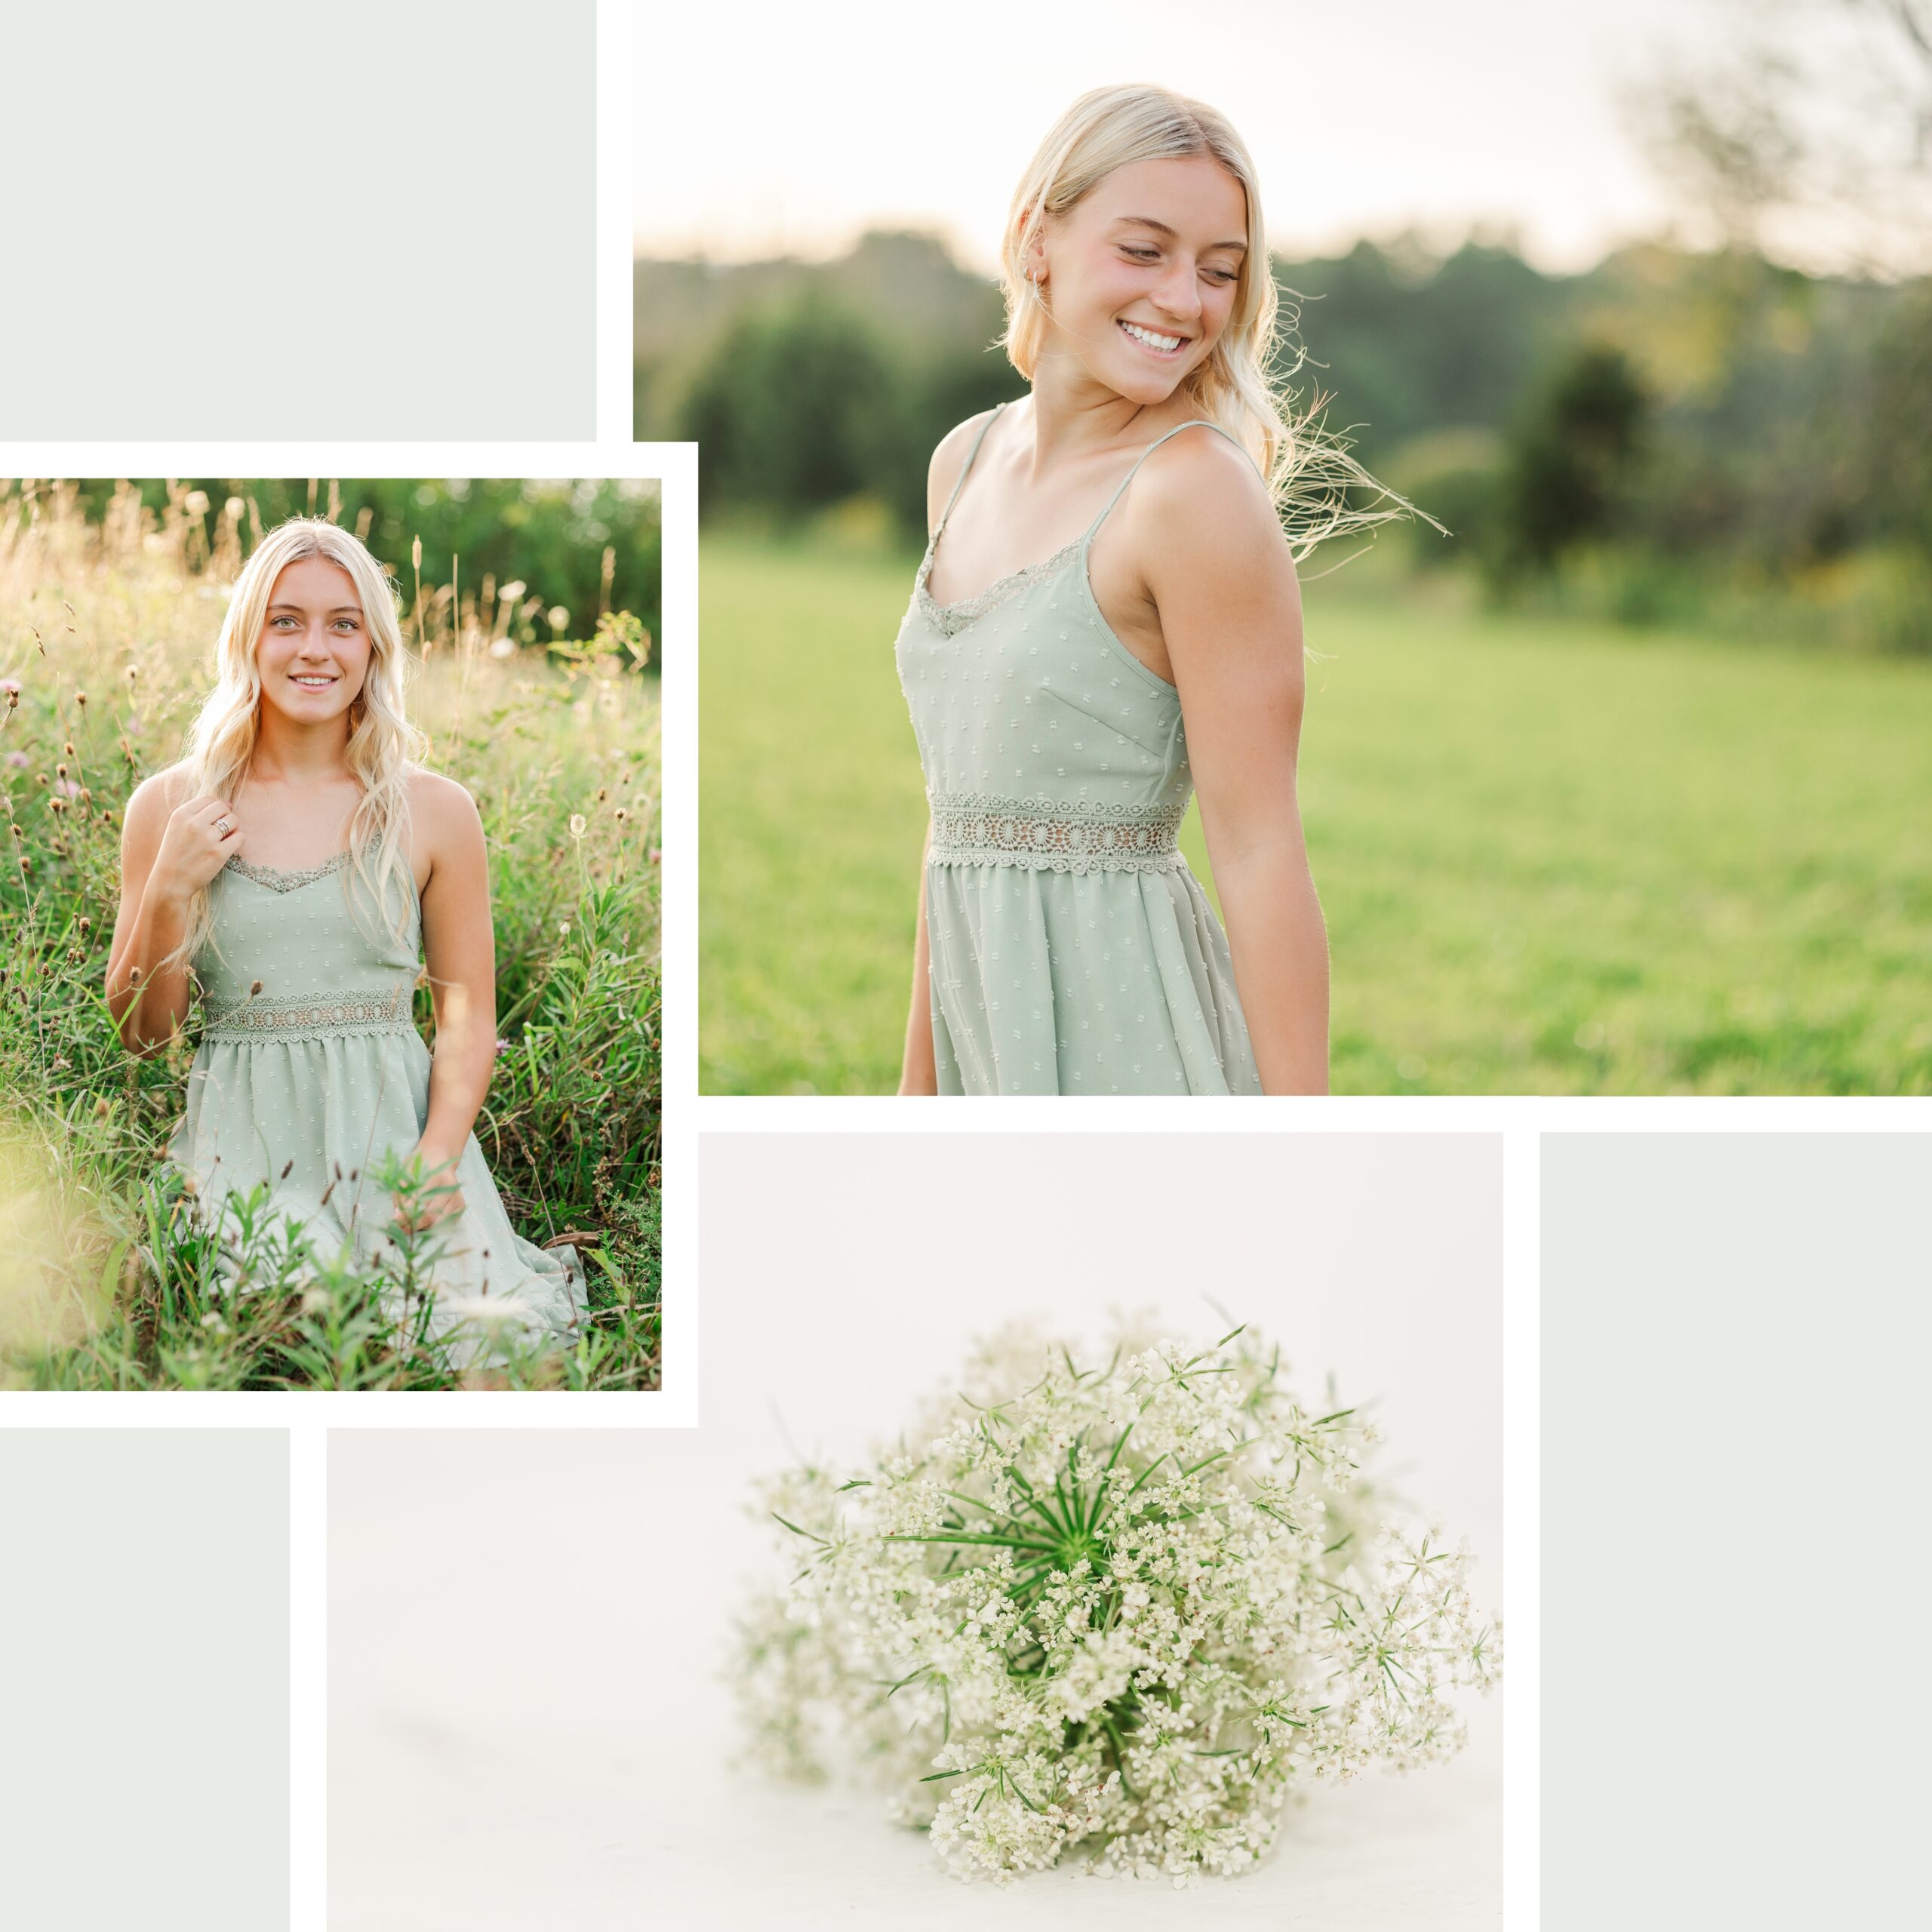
{"x": 313, "y": 1015}
{"x": 1047, "y": 835}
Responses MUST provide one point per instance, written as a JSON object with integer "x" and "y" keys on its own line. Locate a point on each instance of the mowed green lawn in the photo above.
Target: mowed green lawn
{"x": 1553, "y": 860}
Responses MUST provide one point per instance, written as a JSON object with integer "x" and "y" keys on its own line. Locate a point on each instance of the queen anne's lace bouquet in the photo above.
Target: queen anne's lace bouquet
{"x": 1128, "y": 1604}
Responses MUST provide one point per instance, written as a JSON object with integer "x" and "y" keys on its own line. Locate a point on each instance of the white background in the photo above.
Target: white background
{"x": 528, "y": 1724}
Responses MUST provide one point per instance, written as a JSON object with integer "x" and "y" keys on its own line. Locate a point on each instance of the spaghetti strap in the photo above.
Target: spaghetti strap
{"x": 964, "y": 468}
{"x": 1198, "y": 423}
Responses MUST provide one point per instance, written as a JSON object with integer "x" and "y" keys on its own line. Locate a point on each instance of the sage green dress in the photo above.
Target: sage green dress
{"x": 1072, "y": 951}
{"x": 320, "y": 1073}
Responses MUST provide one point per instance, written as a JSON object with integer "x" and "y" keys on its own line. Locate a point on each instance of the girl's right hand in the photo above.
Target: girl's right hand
{"x": 202, "y": 835}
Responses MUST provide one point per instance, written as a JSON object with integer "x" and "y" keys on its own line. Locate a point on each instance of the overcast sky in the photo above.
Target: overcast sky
{"x": 764, "y": 130}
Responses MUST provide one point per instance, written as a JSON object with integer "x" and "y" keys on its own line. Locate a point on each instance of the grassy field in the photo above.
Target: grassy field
{"x": 105, "y": 1280}
{"x": 1554, "y": 859}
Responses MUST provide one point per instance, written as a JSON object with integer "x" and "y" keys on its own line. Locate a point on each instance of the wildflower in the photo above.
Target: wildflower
{"x": 656, "y": 855}
{"x": 503, "y": 1047}
{"x": 255, "y": 987}
{"x": 1134, "y": 1603}
{"x": 18, "y": 760}
{"x": 564, "y": 927}
{"x": 86, "y": 924}
{"x": 576, "y": 825}
{"x": 503, "y": 646}
{"x": 11, "y": 686}
{"x": 134, "y": 671}
{"x": 81, "y": 699}
{"x": 69, "y": 788}
{"x": 511, "y": 593}
{"x": 558, "y": 615}
{"x": 602, "y": 794}
{"x": 620, "y": 814}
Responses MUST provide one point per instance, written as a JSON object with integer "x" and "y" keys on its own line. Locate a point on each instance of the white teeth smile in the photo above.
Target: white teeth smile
{"x": 315, "y": 684}
{"x": 1163, "y": 343}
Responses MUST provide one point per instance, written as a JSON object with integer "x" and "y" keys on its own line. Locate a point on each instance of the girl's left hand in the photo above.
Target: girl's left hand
{"x": 440, "y": 1198}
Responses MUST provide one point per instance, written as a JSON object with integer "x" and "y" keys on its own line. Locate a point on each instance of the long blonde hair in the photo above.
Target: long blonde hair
{"x": 1308, "y": 472}
{"x": 384, "y": 748}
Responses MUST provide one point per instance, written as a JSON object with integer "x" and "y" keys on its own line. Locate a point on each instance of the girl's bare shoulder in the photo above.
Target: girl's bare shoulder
{"x": 443, "y": 811}
{"x": 1199, "y": 495}
{"x": 949, "y": 459}
{"x": 158, "y": 794}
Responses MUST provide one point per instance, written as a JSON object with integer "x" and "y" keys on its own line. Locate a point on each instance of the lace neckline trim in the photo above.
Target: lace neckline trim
{"x": 279, "y": 880}
{"x": 955, "y": 616}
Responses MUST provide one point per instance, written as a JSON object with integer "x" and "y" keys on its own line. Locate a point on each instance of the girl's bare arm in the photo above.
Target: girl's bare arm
{"x": 170, "y": 847}
{"x": 1220, "y": 572}
{"x": 460, "y": 949}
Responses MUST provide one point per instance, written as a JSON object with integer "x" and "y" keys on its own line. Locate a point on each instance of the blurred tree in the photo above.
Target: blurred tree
{"x": 551, "y": 537}
{"x": 800, "y": 406}
{"x": 1573, "y": 456}
{"x": 786, "y": 411}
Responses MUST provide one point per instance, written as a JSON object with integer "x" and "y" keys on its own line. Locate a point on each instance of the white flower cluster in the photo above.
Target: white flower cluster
{"x": 1126, "y": 1606}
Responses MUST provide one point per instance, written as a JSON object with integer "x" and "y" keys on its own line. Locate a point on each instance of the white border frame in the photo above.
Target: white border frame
{"x": 675, "y": 1405}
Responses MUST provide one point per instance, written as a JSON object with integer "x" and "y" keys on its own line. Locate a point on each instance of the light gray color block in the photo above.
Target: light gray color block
{"x": 238, "y": 221}
{"x": 1735, "y": 1331}
{"x": 144, "y": 1679}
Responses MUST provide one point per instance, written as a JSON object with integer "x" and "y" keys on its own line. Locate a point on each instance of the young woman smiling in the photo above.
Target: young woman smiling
{"x": 1108, "y": 560}
{"x": 292, "y": 863}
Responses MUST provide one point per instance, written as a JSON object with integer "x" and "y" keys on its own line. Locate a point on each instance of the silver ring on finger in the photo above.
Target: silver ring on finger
{"x": 221, "y": 828}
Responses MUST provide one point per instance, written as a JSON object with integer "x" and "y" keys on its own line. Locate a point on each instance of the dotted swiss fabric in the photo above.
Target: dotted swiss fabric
{"x": 1072, "y": 950}
{"x": 324, "y": 1067}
